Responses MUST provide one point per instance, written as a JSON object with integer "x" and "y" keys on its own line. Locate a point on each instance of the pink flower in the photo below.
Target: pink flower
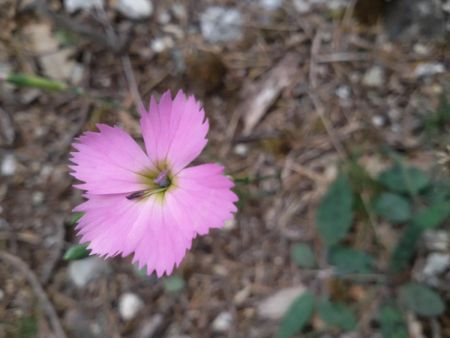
{"x": 150, "y": 204}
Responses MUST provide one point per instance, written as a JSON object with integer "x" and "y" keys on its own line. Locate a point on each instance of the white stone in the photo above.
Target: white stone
{"x": 271, "y": 5}
{"x": 220, "y": 24}
{"x": 437, "y": 240}
{"x": 230, "y": 224}
{"x": 302, "y": 6}
{"x": 428, "y": 69}
{"x": 159, "y": 45}
{"x": 378, "y": 120}
{"x": 75, "y": 5}
{"x": 135, "y": 9}
{"x": 83, "y": 271}
{"x": 8, "y": 165}
{"x": 343, "y": 92}
{"x": 37, "y": 198}
{"x": 241, "y": 149}
{"x": 374, "y": 77}
{"x": 129, "y": 305}
{"x": 223, "y": 322}
{"x": 436, "y": 263}
{"x": 275, "y": 306}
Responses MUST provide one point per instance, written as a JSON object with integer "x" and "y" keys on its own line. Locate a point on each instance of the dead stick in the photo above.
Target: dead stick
{"x": 38, "y": 290}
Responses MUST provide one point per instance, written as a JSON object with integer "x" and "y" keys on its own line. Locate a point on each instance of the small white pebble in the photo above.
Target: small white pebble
{"x": 428, "y": 69}
{"x": 159, "y": 45}
{"x": 223, "y": 322}
{"x": 8, "y": 165}
{"x": 129, "y": 305}
{"x": 241, "y": 149}
{"x": 378, "y": 120}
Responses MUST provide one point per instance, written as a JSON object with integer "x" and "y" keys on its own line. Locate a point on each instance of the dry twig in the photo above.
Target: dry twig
{"x": 38, "y": 290}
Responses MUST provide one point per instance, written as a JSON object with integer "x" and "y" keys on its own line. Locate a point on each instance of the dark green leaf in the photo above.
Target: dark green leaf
{"x": 75, "y": 218}
{"x": 303, "y": 256}
{"x": 406, "y": 246}
{"x": 392, "y": 207}
{"x": 392, "y": 322}
{"x": 297, "y": 316}
{"x": 335, "y": 214}
{"x": 433, "y": 216}
{"x": 404, "y": 179}
{"x": 337, "y": 315}
{"x": 78, "y": 251}
{"x": 26, "y": 327}
{"x": 173, "y": 284}
{"x": 421, "y": 299}
{"x": 428, "y": 218}
{"x": 347, "y": 260}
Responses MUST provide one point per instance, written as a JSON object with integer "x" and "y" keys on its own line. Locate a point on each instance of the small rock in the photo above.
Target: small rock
{"x": 378, "y": 120}
{"x": 374, "y": 77}
{"x": 159, "y": 45}
{"x": 86, "y": 270}
{"x": 437, "y": 240}
{"x": 129, "y": 305}
{"x": 436, "y": 263}
{"x": 150, "y": 328}
{"x": 179, "y": 11}
{"x": 302, "y": 6}
{"x": 37, "y": 198}
{"x": 72, "y": 6}
{"x": 421, "y": 49}
{"x": 276, "y": 305}
{"x": 428, "y": 69}
{"x": 230, "y": 224}
{"x": 220, "y": 24}
{"x": 343, "y": 92}
{"x": 135, "y": 9}
{"x": 223, "y": 322}
{"x": 270, "y": 5}
{"x": 8, "y": 165}
{"x": 241, "y": 149}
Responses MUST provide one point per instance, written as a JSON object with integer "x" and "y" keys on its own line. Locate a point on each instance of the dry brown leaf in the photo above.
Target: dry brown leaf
{"x": 262, "y": 95}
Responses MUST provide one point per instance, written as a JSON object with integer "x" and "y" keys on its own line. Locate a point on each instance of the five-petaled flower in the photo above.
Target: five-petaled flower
{"x": 150, "y": 204}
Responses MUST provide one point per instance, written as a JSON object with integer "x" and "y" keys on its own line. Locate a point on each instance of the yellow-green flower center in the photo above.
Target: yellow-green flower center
{"x": 158, "y": 181}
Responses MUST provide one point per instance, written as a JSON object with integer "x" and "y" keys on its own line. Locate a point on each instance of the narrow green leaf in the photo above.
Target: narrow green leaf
{"x": 337, "y": 315}
{"x": 421, "y": 299}
{"x": 348, "y": 260}
{"x": 173, "y": 284}
{"x": 78, "y": 251}
{"x": 297, "y": 316}
{"x": 75, "y": 218}
{"x": 392, "y": 322}
{"x": 402, "y": 179}
{"x": 406, "y": 246}
{"x": 392, "y": 207}
{"x": 29, "y": 80}
{"x": 335, "y": 214}
{"x": 303, "y": 256}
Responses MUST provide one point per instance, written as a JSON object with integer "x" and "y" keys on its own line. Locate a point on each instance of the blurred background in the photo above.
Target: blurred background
{"x": 333, "y": 118}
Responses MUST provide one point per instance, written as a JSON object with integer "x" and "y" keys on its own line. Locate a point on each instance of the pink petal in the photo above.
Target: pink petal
{"x": 107, "y": 161}
{"x": 204, "y": 197}
{"x": 114, "y": 225}
{"x": 174, "y": 130}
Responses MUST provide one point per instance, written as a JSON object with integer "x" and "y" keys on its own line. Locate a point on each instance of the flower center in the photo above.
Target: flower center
{"x": 158, "y": 182}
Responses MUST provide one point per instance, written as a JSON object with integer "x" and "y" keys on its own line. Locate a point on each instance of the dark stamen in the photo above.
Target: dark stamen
{"x": 162, "y": 180}
{"x": 137, "y": 194}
